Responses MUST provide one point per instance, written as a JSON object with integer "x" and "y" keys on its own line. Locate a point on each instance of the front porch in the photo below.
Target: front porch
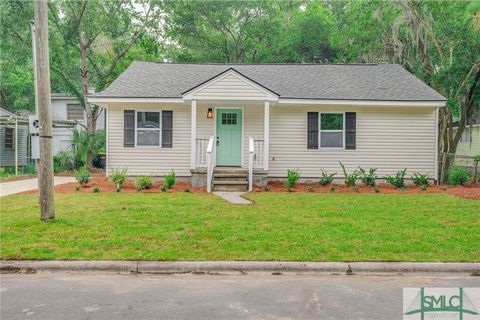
{"x": 233, "y": 135}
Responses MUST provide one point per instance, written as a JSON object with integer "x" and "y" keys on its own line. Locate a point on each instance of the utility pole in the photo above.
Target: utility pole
{"x": 45, "y": 172}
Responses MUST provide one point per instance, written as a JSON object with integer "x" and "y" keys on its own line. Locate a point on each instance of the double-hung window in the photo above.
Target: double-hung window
{"x": 152, "y": 128}
{"x": 328, "y": 130}
{"x": 9, "y": 138}
{"x": 148, "y": 128}
{"x": 332, "y": 130}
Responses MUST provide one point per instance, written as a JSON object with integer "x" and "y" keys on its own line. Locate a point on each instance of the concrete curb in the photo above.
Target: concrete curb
{"x": 214, "y": 267}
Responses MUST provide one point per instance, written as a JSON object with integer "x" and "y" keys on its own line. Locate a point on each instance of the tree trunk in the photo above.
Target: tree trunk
{"x": 91, "y": 118}
{"x": 453, "y": 138}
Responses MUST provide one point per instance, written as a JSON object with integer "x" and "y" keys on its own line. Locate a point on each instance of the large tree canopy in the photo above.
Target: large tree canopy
{"x": 93, "y": 41}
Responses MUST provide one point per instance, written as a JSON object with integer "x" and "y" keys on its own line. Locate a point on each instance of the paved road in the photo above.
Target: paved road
{"x": 101, "y": 296}
{"x": 8, "y": 188}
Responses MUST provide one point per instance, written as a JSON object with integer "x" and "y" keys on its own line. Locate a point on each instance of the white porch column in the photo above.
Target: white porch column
{"x": 266, "y": 134}
{"x": 194, "y": 135}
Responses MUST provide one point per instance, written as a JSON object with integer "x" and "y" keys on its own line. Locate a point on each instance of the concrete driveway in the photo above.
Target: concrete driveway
{"x": 7, "y": 188}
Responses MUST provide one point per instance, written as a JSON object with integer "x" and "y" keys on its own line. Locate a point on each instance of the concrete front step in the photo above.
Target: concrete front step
{"x": 229, "y": 182}
{"x": 229, "y": 175}
{"x": 229, "y": 170}
{"x": 230, "y": 187}
{"x": 229, "y": 178}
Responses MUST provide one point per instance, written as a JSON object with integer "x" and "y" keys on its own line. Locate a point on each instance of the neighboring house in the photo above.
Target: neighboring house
{"x": 469, "y": 144}
{"x": 66, "y": 111}
{"x": 161, "y": 116}
{"x": 7, "y": 139}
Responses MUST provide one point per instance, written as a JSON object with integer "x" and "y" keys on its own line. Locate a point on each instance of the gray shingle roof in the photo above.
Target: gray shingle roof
{"x": 5, "y": 113}
{"x": 388, "y": 82}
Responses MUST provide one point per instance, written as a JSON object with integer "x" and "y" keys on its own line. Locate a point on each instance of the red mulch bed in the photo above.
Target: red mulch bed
{"x": 106, "y": 185}
{"x": 471, "y": 191}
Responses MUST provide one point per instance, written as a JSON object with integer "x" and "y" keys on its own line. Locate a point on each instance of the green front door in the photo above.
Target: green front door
{"x": 229, "y": 137}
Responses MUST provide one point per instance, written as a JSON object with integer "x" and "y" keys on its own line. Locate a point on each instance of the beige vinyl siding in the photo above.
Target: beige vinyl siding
{"x": 387, "y": 138}
{"x": 155, "y": 161}
{"x": 252, "y": 123}
{"x": 230, "y": 87}
{"x": 473, "y": 148}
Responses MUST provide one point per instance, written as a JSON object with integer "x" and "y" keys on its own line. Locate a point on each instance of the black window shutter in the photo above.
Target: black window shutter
{"x": 312, "y": 130}
{"x": 167, "y": 129}
{"x": 129, "y": 128}
{"x": 351, "y": 130}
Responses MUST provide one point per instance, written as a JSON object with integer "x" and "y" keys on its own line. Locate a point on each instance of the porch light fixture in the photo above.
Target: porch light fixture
{"x": 210, "y": 113}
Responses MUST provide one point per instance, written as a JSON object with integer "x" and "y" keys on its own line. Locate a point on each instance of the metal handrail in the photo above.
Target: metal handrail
{"x": 210, "y": 163}
{"x": 251, "y": 152}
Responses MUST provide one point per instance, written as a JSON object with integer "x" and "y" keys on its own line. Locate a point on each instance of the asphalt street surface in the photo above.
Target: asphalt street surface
{"x": 257, "y": 296}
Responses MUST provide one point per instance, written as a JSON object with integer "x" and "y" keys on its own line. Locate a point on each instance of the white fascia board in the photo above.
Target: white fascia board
{"x": 189, "y": 95}
{"x": 107, "y": 100}
{"x": 367, "y": 103}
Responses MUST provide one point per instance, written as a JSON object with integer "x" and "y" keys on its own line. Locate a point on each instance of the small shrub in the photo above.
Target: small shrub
{"x": 170, "y": 179}
{"x": 82, "y": 175}
{"x": 368, "y": 178}
{"x": 355, "y": 188}
{"x": 420, "y": 180}
{"x": 266, "y": 188}
{"x": 333, "y": 188}
{"x": 376, "y": 190}
{"x": 29, "y": 169}
{"x": 187, "y": 190}
{"x": 310, "y": 189}
{"x": 118, "y": 176}
{"x": 144, "y": 182}
{"x": 326, "y": 178}
{"x": 96, "y": 190}
{"x": 64, "y": 161}
{"x": 77, "y": 188}
{"x": 4, "y": 173}
{"x": 350, "y": 179}
{"x": 458, "y": 176}
{"x": 398, "y": 180}
{"x": 293, "y": 176}
{"x": 164, "y": 188}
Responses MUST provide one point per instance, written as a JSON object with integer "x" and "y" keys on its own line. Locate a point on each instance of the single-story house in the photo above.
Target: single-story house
{"x": 213, "y": 123}
{"x": 13, "y": 139}
{"x": 66, "y": 112}
{"x": 469, "y": 144}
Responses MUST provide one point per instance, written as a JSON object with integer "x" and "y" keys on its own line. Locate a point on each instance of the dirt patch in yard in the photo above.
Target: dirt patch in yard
{"x": 106, "y": 185}
{"x": 468, "y": 192}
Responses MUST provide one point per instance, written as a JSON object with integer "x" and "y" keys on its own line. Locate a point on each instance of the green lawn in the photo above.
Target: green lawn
{"x": 279, "y": 226}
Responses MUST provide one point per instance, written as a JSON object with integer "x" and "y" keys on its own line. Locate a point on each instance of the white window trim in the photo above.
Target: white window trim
{"x": 320, "y": 132}
{"x": 149, "y": 129}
